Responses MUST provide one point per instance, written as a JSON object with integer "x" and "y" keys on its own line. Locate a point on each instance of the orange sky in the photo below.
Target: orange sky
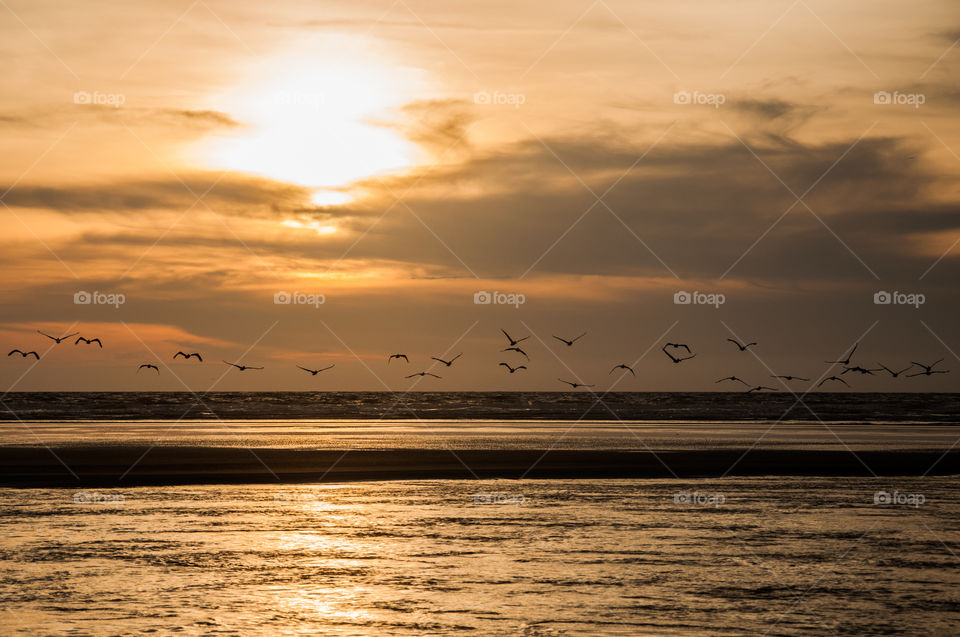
{"x": 398, "y": 157}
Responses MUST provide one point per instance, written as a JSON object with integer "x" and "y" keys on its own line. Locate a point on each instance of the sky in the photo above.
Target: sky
{"x": 172, "y": 172}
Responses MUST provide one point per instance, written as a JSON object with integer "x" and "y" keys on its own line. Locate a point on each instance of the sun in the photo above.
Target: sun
{"x": 315, "y": 117}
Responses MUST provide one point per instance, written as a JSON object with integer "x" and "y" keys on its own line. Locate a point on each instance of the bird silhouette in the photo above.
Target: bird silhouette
{"x": 513, "y": 341}
{"x": 393, "y": 356}
{"x": 860, "y": 370}
{"x": 928, "y": 369}
{"x": 57, "y": 339}
{"x": 739, "y": 380}
{"x": 23, "y": 353}
{"x": 314, "y": 372}
{"x": 516, "y": 349}
{"x": 834, "y": 378}
{"x": 846, "y": 361}
{"x": 512, "y": 369}
{"x": 149, "y": 366}
{"x": 788, "y": 377}
{"x": 742, "y": 347}
{"x": 574, "y": 385}
{"x": 892, "y": 373}
{"x": 571, "y": 341}
{"x": 674, "y": 358}
{"x": 622, "y": 366}
{"x": 188, "y": 356}
{"x": 449, "y": 362}
{"x": 679, "y": 345}
{"x": 761, "y": 388}
{"x": 241, "y": 367}
{"x": 422, "y": 374}
{"x": 88, "y": 341}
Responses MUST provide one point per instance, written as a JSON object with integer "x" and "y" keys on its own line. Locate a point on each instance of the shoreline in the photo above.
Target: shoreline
{"x": 110, "y": 466}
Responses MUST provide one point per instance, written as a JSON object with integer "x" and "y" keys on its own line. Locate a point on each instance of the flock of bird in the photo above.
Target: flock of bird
{"x": 676, "y": 352}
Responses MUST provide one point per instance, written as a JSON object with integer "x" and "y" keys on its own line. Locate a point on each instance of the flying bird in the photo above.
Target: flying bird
{"x": 513, "y": 341}
{"x": 149, "y": 366}
{"x": 892, "y": 373}
{"x": 622, "y": 366}
{"x": 516, "y": 349}
{"x": 679, "y": 345}
{"x": 393, "y": 356}
{"x": 788, "y": 377}
{"x": 422, "y": 374}
{"x": 674, "y": 358}
{"x": 88, "y": 341}
{"x": 846, "y": 361}
{"x": 928, "y": 369}
{"x": 861, "y": 370}
{"x": 512, "y": 369}
{"x": 742, "y": 347}
{"x": 58, "y": 339}
{"x": 571, "y": 341}
{"x": 834, "y": 378}
{"x": 23, "y": 353}
{"x": 734, "y": 378}
{"x": 314, "y": 372}
{"x": 241, "y": 367}
{"x": 574, "y": 385}
{"x": 188, "y": 356}
{"x": 449, "y": 362}
{"x": 761, "y": 388}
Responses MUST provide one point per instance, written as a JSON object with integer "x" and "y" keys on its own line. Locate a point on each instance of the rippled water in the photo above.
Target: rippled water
{"x": 778, "y": 556}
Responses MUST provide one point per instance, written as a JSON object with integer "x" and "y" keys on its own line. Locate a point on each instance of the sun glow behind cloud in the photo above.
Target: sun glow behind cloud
{"x": 314, "y": 116}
